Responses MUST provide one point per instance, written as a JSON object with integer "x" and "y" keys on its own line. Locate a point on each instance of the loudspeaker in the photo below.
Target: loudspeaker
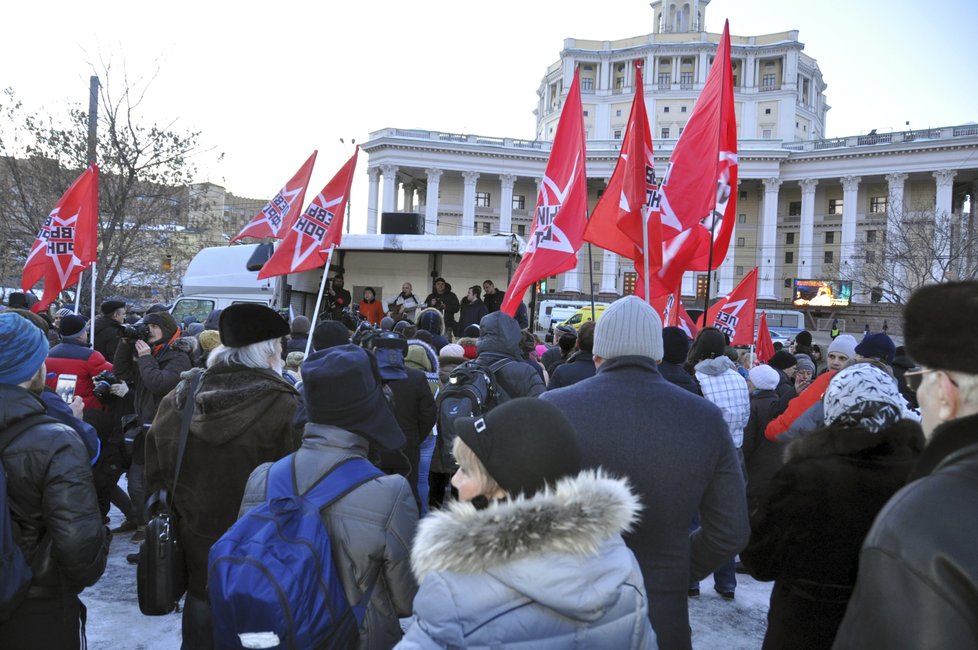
{"x": 401, "y": 223}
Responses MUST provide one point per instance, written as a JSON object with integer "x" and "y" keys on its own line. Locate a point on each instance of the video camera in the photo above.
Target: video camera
{"x": 137, "y": 332}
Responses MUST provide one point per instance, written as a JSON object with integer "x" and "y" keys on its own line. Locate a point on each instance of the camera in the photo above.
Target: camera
{"x": 137, "y": 332}
{"x": 364, "y": 334}
{"x": 104, "y": 381}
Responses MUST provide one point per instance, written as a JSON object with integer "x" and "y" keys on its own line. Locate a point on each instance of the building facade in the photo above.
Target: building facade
{"x": 808, "y": 206}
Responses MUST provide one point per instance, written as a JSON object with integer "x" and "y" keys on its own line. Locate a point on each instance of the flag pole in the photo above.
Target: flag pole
{"x": 590, "y": 272}
{"x": 91, "y": 322}
{"x": 713, "y": 215}
{"x": 645, "y": 252}
{"x": 319, "y": 299}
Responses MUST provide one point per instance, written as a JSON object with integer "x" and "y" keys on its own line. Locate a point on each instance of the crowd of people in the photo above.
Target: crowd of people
{"x": 611, "y": 474}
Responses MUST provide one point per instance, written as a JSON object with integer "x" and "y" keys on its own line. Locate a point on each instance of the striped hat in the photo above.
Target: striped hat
{"x": 629, "y": 327}
{"x": 23, "y": 348}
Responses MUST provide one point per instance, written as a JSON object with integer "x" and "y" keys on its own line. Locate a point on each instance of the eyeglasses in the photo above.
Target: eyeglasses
{"x": 915, "y": 376}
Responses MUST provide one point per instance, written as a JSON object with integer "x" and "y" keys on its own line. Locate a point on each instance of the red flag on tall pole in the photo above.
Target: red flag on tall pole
{"x": 734, "y": 315}
{"x": 765, "y": 346}
{"x": 560, "y": 215}
{"x": 67, "y": 243}
{"x": 698, "y": 194}
{"x": 279, "y": 213}
{"x": 309, "y": 238}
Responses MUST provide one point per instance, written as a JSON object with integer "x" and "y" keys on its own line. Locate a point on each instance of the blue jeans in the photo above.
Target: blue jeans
{"x": 725, "y": 577}
{"x": 424, "y": 468}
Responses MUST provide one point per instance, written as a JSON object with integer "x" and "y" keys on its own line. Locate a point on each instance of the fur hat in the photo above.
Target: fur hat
{"x": 209, "y": 339}
{"x": 23, "y": 348}
{"x": 782, "y": 360}
{"x": 936, "y": 339}
{"x": 629, "y": 327}
{"x": 844, "y": 344}
{"x": 17, "y": 300}
{"x": 330, "y": 333}
{"x": 294, "y": 359}
{"x": 524, "y": 444}
{"x": 675, "y": 345}
{"x": 110, "y": 306}
{"x": 247, "y": 322}
{"x": 764, "y": 377}
{"x": 72, "y": 325}
{"x": 877, "y": 346}
{"x": 341, "y": 388}
{"x": 163, "y": 320}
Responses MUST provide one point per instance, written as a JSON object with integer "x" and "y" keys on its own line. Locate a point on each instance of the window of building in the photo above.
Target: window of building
{"x": 682, "y": 109}
{"x": 521, "y": 230}
{"x": 741, "y": 242}
{"x": 743, "y": 194}
{"x": 681, "y": 130}
{"x": 830, "y": 237}
{"x": 870, "y": 236}
{"x": 486, "y": 228}
{"x": 587, "y": 84}
{"x": 878, "y": 204}
{"x": 741, "y": 218}
{"x": 789, "y": 257}
{"x": 665, "y": 109}
{"x": 766, "y": 134}
{"x": 829, "y": 257}
{"x": 664, "y": 80}
{"x": 767, "y": 81}
{"x": 789, "y": 238}
{"x": 617, "y": 134}
{"x": 665, "y": 133}
{"x": 519, "y": 202}
{"x": 740, "y": 270}
{"x": 597, "y": 265}
{"x": 870, "y": 257}
{"x": 794, "y": 208}
{"x": 769, "y": 64}
{"x": 618, "y": 113}
{"x": 767, "y": 111}
{"x": 588, "y": 68}
{"x": 482, "y": 199}
{"x": 585, "y": 113}
{"x": 835, "y": 206}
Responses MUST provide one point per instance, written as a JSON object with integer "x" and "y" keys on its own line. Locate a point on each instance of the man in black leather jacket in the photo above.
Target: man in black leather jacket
{"x": 918, "y": 569}
{"x": 51, "y": 495}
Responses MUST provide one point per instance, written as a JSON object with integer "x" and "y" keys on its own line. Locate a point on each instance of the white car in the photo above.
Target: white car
{"x": 778, "y": 337}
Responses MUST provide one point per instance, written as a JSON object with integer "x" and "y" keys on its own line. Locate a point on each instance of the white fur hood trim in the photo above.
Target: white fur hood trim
{"x": 575, "y": 518}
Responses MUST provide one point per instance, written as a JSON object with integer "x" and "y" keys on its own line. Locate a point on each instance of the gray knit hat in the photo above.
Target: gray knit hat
{"x": 629, "y": 327}
{"x": 804, "y": 363}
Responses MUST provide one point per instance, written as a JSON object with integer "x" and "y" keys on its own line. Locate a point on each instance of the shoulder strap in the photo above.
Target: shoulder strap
{"x": 188, "y": 412}
{"x": 335, "y": 484}
{"x": 11, "y": 433}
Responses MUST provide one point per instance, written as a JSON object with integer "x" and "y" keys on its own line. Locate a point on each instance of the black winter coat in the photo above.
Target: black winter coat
{"x": 154, "y": 375}
{"x": 807, "y": 532}
{"x": 500, "y": 338}
{"x": 762, "y": 457}
{"x": 578, "y": 367}
{"x": 414, "y": 410}
{"x": 108, "y": 333}
{"x": 676, "y": 374}
{"x": 471, "y": 313}
{"x": 52, "y": 498}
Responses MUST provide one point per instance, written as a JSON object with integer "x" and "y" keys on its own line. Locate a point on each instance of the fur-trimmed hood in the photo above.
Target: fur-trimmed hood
{"x": 835, "y": 440}
{"x": 416, "y": 360}
{"x": 575, "y": 518}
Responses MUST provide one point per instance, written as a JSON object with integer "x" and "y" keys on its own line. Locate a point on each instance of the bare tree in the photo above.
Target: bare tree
{"x": 913, "y": 248}
{"x": 145, "y": 171}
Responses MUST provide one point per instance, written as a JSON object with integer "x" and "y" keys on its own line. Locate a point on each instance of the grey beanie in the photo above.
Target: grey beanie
{"x": 804, "y": 363}
{"x": 629, "y": 327}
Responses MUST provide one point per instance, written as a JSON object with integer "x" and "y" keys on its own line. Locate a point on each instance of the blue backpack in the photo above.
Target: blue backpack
{"x": 271, "y": 577}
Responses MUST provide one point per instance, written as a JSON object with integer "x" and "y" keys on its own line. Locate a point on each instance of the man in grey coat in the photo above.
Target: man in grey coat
{"x": 373, "y": 526}
{"x": 675, "y": 449}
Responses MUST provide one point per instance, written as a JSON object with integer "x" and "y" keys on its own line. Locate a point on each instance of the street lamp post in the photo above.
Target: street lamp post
{"x": 353, "y": 142}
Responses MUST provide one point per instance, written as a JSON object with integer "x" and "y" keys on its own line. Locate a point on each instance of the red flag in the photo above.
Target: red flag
{"x": 616, "y": 221}
{"x": 765, "y": 347}
{"x": 685, "y": 323}
{"x": 670, "y": 307}
{"x": 67, "y": 243}
{"x": 734, "y": 315}
{"x": 309, "y": 238}
{"x": 279, "y": 213}
{"x": 699, "y": 189}
{"x": 560, "y": 215}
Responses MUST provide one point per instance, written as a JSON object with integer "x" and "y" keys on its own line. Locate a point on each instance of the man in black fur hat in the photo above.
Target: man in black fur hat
{"x": 918, "y": 570}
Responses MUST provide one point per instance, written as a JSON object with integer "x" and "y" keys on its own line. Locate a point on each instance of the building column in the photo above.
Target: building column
{"x": 896, "y": 184}
{"x": 850, "y": 203}
{"x": 431, "y": 201}
{"x": 750, "y": 71}
{"x": 469, "y": 180}
{"x": 506, "y": 182}
{"x": 769, "y": 239}
{"x": 702, "y": 67}
{"x": 572, "y": 279}
{"x": 373, "y": 188}
{"x": 806, "y": 229}
{"x": 942, "y": 216}
{"x": 408, "y": 199}
{"x": 725, "y": 272}
{"x": 390, "y": 187}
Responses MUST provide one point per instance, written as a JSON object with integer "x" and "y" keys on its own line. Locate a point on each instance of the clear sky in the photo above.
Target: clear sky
{"x": 266, "y": 83}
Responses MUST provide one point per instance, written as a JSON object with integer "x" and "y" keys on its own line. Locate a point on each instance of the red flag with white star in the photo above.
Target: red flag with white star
{"x": 279, "y": 213}
{"x": 67, "y": 243}
{"x": 561, "y": 210}
{"x": 734, "y": 315}
{"x": 309, "y": 238}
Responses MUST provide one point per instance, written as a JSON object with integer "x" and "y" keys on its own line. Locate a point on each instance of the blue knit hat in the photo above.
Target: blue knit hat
{"x": 877, "y": 346}
{"x": 23, "y": 348}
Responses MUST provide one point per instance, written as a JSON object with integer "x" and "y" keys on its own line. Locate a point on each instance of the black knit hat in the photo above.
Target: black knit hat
{"x": 330, "y": 333}
{"x": 248, "y": 322}
{"x": 803, "y": 337}
{"x": 110, "y": 306}
{"x": 932, "y": 337}
{"x": 782, "y": 360}
{"x": 709, "y": 344}
{"x": 72, "y": 325}
{"x": 524, "y": 444}
{"x": 675, "y": 345}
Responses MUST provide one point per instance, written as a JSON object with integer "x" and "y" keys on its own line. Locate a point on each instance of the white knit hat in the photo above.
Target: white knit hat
{"x": 843, "y": 344}
{"x": 629, "y": 327}
{"x": 764, "y": 377}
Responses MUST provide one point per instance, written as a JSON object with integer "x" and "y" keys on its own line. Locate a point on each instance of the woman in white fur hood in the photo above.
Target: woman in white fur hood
{"x": 532, "y": 554}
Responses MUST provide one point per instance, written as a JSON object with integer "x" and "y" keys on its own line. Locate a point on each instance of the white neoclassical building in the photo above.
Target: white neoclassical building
{"x": 806, "y": 203}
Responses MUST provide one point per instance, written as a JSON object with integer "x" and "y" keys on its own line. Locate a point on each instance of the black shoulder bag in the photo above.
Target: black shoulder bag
{"x": 161, "y": 575}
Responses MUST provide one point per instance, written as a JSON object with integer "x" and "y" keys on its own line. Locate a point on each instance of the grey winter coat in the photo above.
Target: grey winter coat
{"x": 551, "y": 571}
{"x": 371, "y": 530}
{"x": 500, "y": 338}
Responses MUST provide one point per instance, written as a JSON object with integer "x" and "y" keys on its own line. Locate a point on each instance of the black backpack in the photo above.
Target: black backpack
{"x": 472, "y": 390}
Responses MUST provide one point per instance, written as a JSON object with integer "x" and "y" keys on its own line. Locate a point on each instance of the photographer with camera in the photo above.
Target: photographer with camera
{"x": 337, "y": 298}
{"x": 151, "y": 356}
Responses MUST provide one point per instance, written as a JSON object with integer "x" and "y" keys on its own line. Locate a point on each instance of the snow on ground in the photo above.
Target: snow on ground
{"x": 115, "y": 623}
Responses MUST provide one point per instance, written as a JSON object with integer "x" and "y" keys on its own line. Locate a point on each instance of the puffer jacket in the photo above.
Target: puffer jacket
{"x": 242, "y": 418}
{"x": 722, "y": 384}
{"x": 52, "y": 500}
{"x": 500, "y": 338}
{"x": 73, "y": 357}
{"x": 551, "y": 571}
{"x": 371, "y": 529}
{"x": 154, "y": 375}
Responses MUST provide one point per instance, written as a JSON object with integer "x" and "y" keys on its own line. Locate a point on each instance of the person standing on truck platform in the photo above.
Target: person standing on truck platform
{"x": 446, "y": 302}
{"x": 473, "y": 309}
{"x": 337, "y": 298}
{"x": 371, "y": 308}
{"x": 493, "y": 297}
{"x": 404, "y": 305}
